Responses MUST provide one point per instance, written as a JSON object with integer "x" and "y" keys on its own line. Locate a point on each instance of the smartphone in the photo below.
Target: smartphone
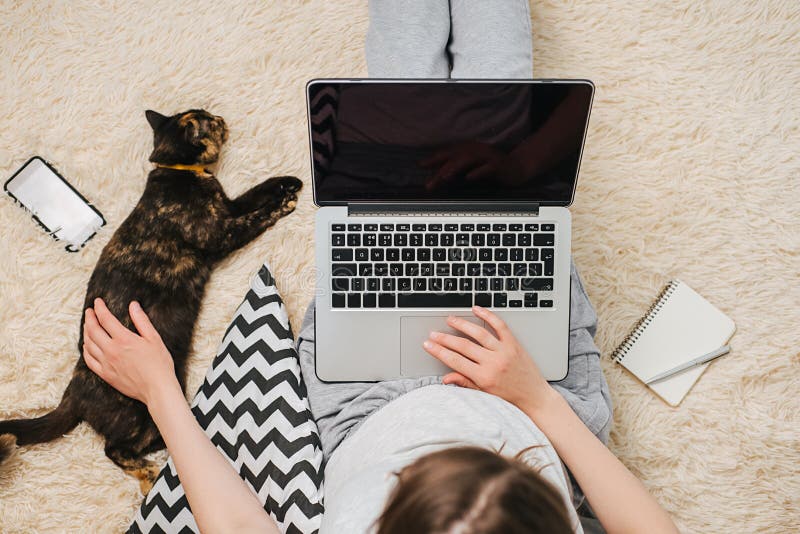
{"x": 54, "y": 203}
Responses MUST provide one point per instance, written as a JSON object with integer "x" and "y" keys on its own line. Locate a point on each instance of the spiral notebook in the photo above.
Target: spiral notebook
{"x": 680, "y": 326}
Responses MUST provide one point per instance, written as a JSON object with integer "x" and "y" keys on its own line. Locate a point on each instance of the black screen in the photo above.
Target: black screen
{"x": 462, "y": 141}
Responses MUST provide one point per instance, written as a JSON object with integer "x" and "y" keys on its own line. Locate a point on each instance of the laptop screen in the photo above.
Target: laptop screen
{"x": 434, "y": 141}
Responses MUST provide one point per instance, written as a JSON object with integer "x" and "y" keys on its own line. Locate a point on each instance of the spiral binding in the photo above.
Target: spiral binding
{"x": 622, "y": 351}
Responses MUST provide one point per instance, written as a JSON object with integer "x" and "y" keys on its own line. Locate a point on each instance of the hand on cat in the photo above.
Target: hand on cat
{"x": 136, "y": 365}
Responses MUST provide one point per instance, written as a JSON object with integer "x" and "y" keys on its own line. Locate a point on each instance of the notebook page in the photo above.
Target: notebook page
{"x": 687, "y": 326}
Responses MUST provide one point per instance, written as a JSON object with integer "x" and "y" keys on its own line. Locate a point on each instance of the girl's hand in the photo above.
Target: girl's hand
{"x": 494, "y": 363}
{"x": 135, "y": 365}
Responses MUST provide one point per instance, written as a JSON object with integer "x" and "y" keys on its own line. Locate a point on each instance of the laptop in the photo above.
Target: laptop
{"x": 434, "y": 196}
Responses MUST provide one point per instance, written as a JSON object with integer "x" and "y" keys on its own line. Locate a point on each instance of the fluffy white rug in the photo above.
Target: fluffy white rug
{"x": 690, "y": 170}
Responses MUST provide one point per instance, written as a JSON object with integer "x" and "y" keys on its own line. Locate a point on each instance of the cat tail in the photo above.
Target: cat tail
{"x": 39, "y": 429}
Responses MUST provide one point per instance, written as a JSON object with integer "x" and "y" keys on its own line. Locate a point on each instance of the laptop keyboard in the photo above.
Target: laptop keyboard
{"x": 439, "y": 265}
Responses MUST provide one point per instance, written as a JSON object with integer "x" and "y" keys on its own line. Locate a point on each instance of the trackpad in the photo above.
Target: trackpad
{"x": 414, "y": 360}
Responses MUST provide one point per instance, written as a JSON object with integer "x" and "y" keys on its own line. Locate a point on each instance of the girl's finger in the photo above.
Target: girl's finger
{"x": 476, "y": 332}
{"x": 142, "y": 322}
{"x": 461, "y": 345}
{"x": 93, "y": 350}
{"x": 108, "y": 321}
{"x": 497, "y": 324}
{"x": 454, "y": 361}
{"x": 92, "y": 363}
{"x": 459, "y": 380}
{"x": 92, "y": 330}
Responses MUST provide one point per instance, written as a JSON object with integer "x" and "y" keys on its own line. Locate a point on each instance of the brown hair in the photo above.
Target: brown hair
{"x": 470, "y": 490}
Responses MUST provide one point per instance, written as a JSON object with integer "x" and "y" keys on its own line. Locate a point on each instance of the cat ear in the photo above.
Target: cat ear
{"x": 155, "y": 119}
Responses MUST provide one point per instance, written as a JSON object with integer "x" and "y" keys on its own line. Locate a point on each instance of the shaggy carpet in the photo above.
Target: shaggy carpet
{"x": 690, "y": 170}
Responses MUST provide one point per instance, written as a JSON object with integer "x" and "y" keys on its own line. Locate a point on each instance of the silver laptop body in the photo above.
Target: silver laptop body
{"x": 434, "y": 196}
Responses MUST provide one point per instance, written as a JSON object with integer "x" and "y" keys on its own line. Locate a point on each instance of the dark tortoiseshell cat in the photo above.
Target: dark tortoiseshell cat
{"x": 162, "y": 256}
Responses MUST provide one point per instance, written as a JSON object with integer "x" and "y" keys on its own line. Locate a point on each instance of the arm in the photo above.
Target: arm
{"x": 140, "y": 367}
{"x": 498, "y": 364}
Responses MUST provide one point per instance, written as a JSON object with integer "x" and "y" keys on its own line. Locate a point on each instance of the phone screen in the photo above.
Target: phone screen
{"x": 54, "y": 203}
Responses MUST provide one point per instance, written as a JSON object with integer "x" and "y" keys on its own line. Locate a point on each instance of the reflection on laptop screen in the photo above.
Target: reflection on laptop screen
{"x": 464, "y": 141}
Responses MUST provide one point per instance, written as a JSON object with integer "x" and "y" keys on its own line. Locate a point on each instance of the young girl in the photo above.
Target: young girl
{"x": 477, "y": 451}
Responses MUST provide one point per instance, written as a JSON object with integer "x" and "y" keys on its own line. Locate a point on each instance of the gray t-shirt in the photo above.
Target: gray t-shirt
{"x": 360, "y": 473}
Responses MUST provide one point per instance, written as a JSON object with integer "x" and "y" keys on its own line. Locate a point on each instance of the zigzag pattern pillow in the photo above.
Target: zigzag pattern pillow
{"x": 253, "y": 405}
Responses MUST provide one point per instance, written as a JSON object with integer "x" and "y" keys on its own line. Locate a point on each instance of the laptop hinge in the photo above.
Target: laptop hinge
{"x": 447, "y": 209}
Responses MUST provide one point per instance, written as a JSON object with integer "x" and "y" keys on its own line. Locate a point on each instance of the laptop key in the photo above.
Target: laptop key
{"x": 439, "y": 254}
{"x": 499, "y": 227}
{"x": 357, "y": 284}
{"x": 426, "y": 269}
{"x": 400, "y": 240}
{"x": 337, "y": 227}
{"x": 531, "y": 254}
{"x": 370, "y": 240}
{"x": 342, "y": 254}
{"x": 469, "y": 254}
{"x": 544, "y": 240}
{"x": 459, "y": 269}
{"x": 500, "y": 300}
{"x": 453, "y": 254}
{"x": 431, "y": 300}
{"x": 515, "y": 254}
{"x": 387, "y": 227}
{"x": 435, "y": 227}
{"x": 369, "y": 300}
{"x": 415, "y": 240}
{"x": 462, "y": 240}
{"x": 386, "y": 300}
{"x": 545, "y": 303}
{"x": 442, "y": 269}
{"x": 435, "y": 284}
{"x": 387, "y": 284}
{"x": 447, "y": 240}
{"x": 370, "y": 227}
{"x": 450, "y": 284}
{"x": 481, "y": 284}
{"x": 548, "y": 227}
{"x": 424, "y": 254}
{"x": 483, "y": 299}
{"x": 489, "y": 269}
{"x": 381, "y": 269}
{"x": 500, "y": 254}
{"x": 372, "y": 284}
{"x": 404, "y": 284}
{"x": 485, "y": 254}
{"x": 493, "y": 240}
{"x": 465, "y": 284}
{"x": 537, "y": 284}
{"x": 514, "y": 303}
{"x": 512, "y": 284}
{"x": 338, "y": 300}
{"x": 520, "y": 269}
{"x": 418, "y": 227}
{"x": 509, "y": 240}
{"x": 396, "y": 269}
{"x": 451, "y": 228}
{"x": 385, "y": 240}
{"x": 403, "y": 228}
{"x": 362, "y": 254}
{"x": 515, "y": 227}
{"x": 478, "y": 240}
{"x": 376, "y": 254}
{"x": 353, "y": 227}
{"x": 412, "y": 269}
{"x": 354, "y": 300}
{"x": 365, "y": 269}
{"x": 353, "y": 240}
{"x": 531, "y": 300}
{"x": 496, "y": 284}
{"x": 392, "y": 254}
{"x": 337, "y": 240}
{"x": 467, "y": 227}
{"x": 431, "y": 240}
{"x": 534, "y": 269}
{"x": 408, "y": 254}
{"x": 343, "y": 269}
{"x": 531, "y": 227}
{"x": 340, "y": 284}
{"x": 503, "y": 269}
{"x": 420, "y": 284}
{"x": 473, "y": 269}
{"x": 524, "y": 240}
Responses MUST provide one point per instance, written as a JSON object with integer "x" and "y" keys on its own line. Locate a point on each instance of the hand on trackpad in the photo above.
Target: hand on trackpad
{"x": 414, "y": 361}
